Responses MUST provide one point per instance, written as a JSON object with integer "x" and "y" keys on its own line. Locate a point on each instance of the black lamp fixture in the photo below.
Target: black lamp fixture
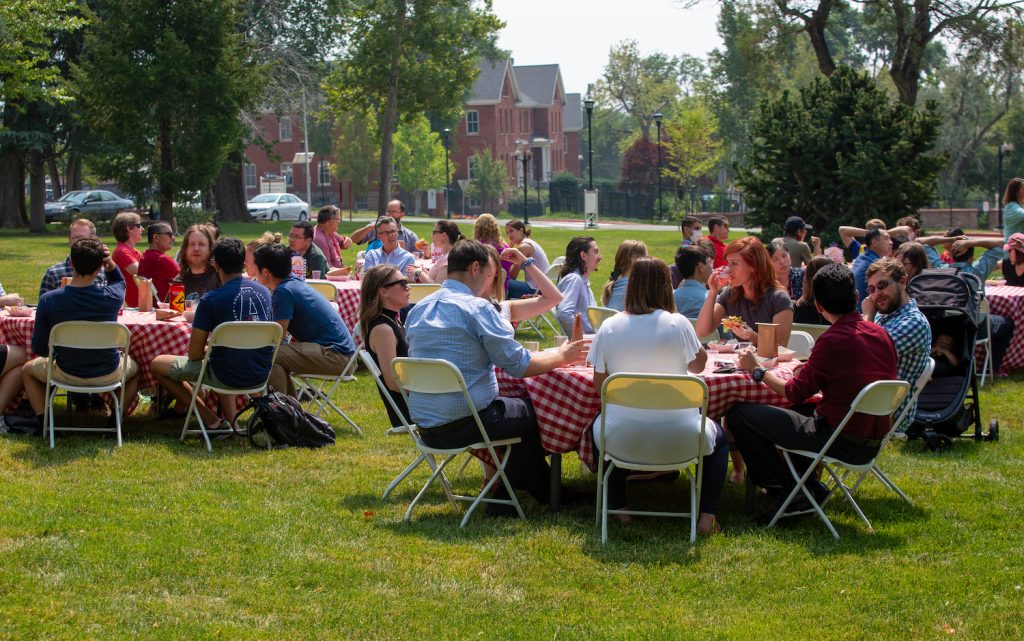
{"x": 657, "y": 120}
{"x": 523, "y": 155}
{"x": 444, "y": 138}
{"x": 588, "y": 104}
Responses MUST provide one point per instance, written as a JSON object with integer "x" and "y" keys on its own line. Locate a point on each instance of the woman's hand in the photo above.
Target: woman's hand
{"x": 513, "y": 256}
{"x": 745, "y": 333}
{"x": 719, "y": 278}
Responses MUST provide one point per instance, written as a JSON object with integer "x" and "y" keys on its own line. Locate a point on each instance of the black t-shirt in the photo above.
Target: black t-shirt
{"x": 1010, "y": 274}
{"x": 390, "y": 319}
{"x": 807, "y": 314}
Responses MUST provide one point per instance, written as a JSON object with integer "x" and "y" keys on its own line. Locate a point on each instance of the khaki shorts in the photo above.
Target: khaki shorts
{"x": 37, "y": 368}
{"x": 186, "y": 371}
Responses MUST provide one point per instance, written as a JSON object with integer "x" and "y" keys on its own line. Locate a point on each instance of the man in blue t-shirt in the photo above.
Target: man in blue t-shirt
{"x": 237, "y": 299}
{"x": 321, "y": 344}
{"x": 83, "y": 299}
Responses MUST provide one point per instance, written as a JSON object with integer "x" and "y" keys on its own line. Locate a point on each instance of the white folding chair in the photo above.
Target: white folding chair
{"x": 713, "y": 336}
{"x": 240, "y": 335}
{"x": 435, "y": 376}
{"x": 86, "y": 335}
{"x": 317, "y": 390}
{"x": 325, "y": 288}
{"x": 598, "y": 315}
{"x": 419, "y": 291}
{"x": 814, "y": 330}
{"x": 802, "y": 343}
{"x": 987, "y": 366}
{"x": 880, "y": 398}
{"x": 559, "y": 261}
{"x": 554, "y": 270}
{"x": 652, "y": 392}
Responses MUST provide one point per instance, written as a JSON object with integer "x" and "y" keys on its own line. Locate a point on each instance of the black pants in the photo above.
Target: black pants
{"x": 757, "y": 429}
{"x": 503, "y": 418}
{"x": 1002, "y": 334}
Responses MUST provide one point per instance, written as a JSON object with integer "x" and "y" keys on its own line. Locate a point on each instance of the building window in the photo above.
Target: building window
{"x": 325, "y": 172}
{"x": 565, "y": 144}
{"x": 250, "y": 175}
{"x": 284, "y": 129}
{"x": 472, "y": 122}
{"x": 286, "y": 171}
{"x": 471, "y": 167}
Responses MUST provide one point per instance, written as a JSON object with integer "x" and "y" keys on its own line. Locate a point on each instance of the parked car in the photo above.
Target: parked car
{"x": 97, "y": 203}
{"x": 278, "y": 207}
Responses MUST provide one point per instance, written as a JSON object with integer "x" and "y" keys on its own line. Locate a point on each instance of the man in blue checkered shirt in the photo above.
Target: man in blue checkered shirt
{"x": 889, "y": 305}
{"x": 81, "y": 228}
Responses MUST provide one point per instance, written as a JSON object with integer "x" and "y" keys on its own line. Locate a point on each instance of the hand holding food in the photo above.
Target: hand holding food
{"x": 732, "y": 322}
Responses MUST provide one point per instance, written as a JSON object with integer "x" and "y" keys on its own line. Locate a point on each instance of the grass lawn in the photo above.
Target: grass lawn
{"x": 161, "y": 540}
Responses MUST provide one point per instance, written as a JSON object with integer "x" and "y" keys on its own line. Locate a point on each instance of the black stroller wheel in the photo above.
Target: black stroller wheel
{"x": 937, "y": 442}
{"x": 993, "y": 430}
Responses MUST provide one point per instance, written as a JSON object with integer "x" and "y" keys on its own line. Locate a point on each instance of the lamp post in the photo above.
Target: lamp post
{"x": 447, "y": 210}
{"x": 523, "y": 156}
{"x": 1005, "y": 148}
{"x": 589, "y": 105}
{"x": 657, "y": 121}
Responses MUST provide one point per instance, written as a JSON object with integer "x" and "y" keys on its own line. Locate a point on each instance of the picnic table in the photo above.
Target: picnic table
{"x": 1009, "y": 301}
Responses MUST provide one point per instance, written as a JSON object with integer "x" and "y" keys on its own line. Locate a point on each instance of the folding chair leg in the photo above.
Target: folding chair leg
{"x": 604, "y": 503}
{"x": 482, "y": 496}
{"x": 199, "y": 419}
{"x": 800, "y": 485}
{"x": 889, "y": 483}
{"x": 438, "y": 471}
{"x": 401, "y": 477}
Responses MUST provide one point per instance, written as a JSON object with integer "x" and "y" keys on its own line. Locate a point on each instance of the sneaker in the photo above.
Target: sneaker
{"x": 3, "y": 425}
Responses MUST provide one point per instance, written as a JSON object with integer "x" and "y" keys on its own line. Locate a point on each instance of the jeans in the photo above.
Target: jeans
{"x": 518, "y": 289}
{"x": 503, "y": 418}
{"x": 1002, "y": 334}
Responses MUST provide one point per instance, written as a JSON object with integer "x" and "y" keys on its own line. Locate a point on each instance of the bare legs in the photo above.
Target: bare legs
{"x": 181, "y": 391}
{"x": 10, "y": 378}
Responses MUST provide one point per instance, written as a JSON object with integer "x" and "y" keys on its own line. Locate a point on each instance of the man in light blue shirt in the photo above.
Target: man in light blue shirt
{"x": 389, "y": 253}
{"x": 458, "y": 324}
{"x": 695, "y": 268}
{"x": 962, "y": 249}
{"x": 879, "y": 245}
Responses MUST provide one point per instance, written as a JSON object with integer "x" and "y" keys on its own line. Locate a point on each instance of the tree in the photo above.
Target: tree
{"x": 357, "y": 149}
{"x": 640, "y": 165}
{"x": 163, "y": 85}
{"x": 406, "y": 57}
{"x": 419, "y": 156}
{"x": 690, "y": 146}
{"x": 840, "y": 152}
{"x": 490, "y": 178}
{"x": 610, "y": 129}
{"x": 639, "y": 86}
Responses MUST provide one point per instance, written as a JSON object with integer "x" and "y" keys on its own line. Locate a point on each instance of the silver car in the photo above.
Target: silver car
{"x": 278, "y": 207}
{"x": 98, "y": 203}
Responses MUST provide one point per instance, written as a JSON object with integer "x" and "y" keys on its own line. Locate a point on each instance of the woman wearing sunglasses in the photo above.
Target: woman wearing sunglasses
{"x": 384, "y": 292}
{"x": 446, "y": 233}
{"x": 127, "y": 228}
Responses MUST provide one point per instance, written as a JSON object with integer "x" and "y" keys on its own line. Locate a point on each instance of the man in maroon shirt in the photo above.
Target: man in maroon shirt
{"x": 850, "y": 355}
{"x": 156, "y": 265}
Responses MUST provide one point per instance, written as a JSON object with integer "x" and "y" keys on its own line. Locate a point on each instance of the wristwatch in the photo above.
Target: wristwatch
{"x": 527, "y": 262}
{"x": 758, "y": 374}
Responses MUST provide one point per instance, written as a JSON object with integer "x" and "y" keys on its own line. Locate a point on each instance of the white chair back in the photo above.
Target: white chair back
{"x": 598, "y": 315}
{"x": 555, "y": 270}
{"x": 814, "y": 330}
{"x": 90, "y": 335}
{"x": 419, "y": 291}
{"x": 802, "y": 343}
{"x": 246, "y": 335}
{"x": 325, "y": 288}
{"x": 713, "y": 336}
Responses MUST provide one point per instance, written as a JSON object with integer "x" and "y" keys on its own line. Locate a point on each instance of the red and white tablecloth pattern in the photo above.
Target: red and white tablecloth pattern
{"x": 1009, "y": 301}
{"x": 566, "y": 403}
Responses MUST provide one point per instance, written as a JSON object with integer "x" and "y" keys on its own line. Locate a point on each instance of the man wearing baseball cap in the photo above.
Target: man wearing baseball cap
{"x": 799, "y": 251}
{"x": 1013, "y": 264}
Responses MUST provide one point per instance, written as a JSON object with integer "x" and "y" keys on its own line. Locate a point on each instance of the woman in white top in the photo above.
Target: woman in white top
{"x": 582, "y": 257}
{"x": 519, "y": 237}
{"x": 446, "y": 233}
{"x": 650, "y": 337}
{"x": 514, "y": 311}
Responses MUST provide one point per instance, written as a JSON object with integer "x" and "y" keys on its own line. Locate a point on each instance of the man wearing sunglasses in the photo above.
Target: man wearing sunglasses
{"x": 889, "y": 305}
{"x": 156, "y": 265}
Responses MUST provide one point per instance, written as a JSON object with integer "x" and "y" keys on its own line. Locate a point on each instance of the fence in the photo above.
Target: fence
{"x": 643, "y": 203}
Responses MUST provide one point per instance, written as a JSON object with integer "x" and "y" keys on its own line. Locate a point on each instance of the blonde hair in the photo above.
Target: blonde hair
{"x": 629, "y": 252}
{"x": 498, "y": 286}
{"x": 267, "y": 238}
{"x": 485, "y": 229}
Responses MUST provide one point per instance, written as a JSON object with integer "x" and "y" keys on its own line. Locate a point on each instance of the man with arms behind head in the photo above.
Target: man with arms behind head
{"x": 879, "y": 245}
{"x": 237, "y": 299}
{"x": 407, "y": 238}
{"x": 889, "y": 305}
{"x": 458, "y": 323}
{"x": 848, "y": 356}
{"x": 321, "y": 344}
{"x": 82, "y": 299}
{"x": 81, "y": 228}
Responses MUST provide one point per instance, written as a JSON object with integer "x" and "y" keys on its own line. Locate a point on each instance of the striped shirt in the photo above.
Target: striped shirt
{"x": 910, "y": 333}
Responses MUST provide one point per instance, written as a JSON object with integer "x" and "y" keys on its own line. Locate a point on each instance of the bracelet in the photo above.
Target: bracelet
{"x": 526, "y": 263}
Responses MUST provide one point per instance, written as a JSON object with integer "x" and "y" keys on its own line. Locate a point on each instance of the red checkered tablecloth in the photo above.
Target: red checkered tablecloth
{"x": 566, "y": 403}
{"x": 1009, "y": 301}
{"x": 348, "y": 306}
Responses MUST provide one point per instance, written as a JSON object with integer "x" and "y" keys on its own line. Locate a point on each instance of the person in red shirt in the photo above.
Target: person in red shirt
{"x": 156, "y": 265}
{"x": 127, "y": 228}
{"x": 847, "y": 357}
{"x": 718, "y": 234}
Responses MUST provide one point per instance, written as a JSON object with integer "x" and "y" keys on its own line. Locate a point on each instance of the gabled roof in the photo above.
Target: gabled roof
{"x": 537, "y": 84}
{"x": 572, "y": 113}
{"x": 487, "y": 88}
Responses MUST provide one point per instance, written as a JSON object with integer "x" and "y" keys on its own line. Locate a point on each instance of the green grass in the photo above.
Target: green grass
{"x": 161, "y": 540}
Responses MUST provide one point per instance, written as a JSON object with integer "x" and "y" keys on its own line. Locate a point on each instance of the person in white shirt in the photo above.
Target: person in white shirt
{"x": 650, "y": 337}
{"x": 519, "y": 237}
{"x": 582, "y": 257}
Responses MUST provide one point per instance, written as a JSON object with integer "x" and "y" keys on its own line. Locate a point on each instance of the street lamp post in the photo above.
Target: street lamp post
{"x": 589, "y": 104}
{"x": 447, "y": 210}
{"x": 1005, "y": 148}
{"x": 657, "y": 121}
{"x": 523, "y": 155}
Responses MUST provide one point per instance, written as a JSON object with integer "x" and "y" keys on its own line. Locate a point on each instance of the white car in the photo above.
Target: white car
{"x": 278, "y": 207}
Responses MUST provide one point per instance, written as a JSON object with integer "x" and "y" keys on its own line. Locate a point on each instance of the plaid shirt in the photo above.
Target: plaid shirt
{"x": 912, "y": 336}
{"x": 51, "y": 279}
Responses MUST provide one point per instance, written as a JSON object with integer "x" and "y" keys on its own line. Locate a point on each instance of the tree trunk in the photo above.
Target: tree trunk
{"x": 389, "y": 118}
{"x": 37, "y": 191}
{"x": 815, "y": 28}
{"x": 73, "y": 177}
{"x": 55, "y": 184}
{"x": 167, "y": 165}
{"x": 229, "y": 191}
{"x": 12, "y": 188}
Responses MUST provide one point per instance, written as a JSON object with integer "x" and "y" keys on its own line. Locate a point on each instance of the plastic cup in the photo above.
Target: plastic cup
{"x": 532, "y": 346}
{"x": 560, "y": 340}
{"x": 316, "y": 274}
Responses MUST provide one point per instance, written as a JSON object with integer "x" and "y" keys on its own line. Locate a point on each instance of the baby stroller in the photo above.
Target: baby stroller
{"x": 949, "y": 403}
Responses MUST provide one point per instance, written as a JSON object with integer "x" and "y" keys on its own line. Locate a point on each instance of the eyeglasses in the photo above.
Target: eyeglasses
{"x": 135, "y": 226}
{"x": 404, "y": 282}
{"x": 438, "y": 231}
{"x": 166, "y": 233}
{"x": 393, "y": 232}
{"x": 296, "y": 236}
{"x": 882, "y": 284}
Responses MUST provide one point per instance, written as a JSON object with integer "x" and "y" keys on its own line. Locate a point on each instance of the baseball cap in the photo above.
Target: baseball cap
{"x": 796, "y": 223}
{"x": 1016, "y": 241}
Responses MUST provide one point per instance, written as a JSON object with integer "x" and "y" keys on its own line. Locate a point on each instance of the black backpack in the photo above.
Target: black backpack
{"x": 279, "y": 421}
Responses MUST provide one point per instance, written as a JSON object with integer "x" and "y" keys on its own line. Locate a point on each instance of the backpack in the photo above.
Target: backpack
{"x": 279, "y": 421}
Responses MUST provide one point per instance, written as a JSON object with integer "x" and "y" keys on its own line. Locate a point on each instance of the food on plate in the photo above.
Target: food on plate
{"x": 732, "y": 322}
{"x": 165, "y": 314}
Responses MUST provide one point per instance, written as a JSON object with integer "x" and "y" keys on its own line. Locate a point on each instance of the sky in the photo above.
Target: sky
{"x": 577, "y": 34}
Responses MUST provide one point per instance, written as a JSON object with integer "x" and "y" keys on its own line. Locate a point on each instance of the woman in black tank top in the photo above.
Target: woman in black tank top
{"x": 384, "y": 292}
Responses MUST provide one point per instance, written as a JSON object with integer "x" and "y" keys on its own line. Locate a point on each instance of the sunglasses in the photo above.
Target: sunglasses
{"x": 135, "y": 226}
{"x": 882, "y": 284}
{"x": 404, "y": 282}
{"x": 166, "y": 233}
